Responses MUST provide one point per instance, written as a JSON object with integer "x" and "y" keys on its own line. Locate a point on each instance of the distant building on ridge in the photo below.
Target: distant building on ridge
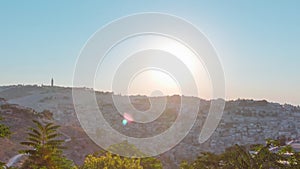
{"x": 52, "y": 82}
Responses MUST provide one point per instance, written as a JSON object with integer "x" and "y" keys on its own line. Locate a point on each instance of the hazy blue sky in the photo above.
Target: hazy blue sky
{"x": 258, "y": 42}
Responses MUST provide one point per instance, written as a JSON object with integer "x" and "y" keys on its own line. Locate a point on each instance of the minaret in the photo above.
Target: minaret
{"x": 52, "y": 82}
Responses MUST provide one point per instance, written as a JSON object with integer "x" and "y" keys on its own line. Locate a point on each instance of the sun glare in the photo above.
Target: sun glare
{"x": 149, "y": 82}
{"x": 146, "y": 82}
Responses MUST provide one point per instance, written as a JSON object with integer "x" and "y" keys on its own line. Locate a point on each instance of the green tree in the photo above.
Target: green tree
{"x": 289, "y": 157}
{"x": 205, "y": 160}
{"x": 110, "y": 161}
{"x": 4, "y": 130}
{"x": 151, "y": 163}
{"x": 266, "y": 159}
{"x": 132, "y": 151}
{"x": 46, "y": 149}
{"x": 237, "y": 157}
{"x": 106, "y": 159}
{"x": 185, "y": 165}
{"x": 126, "y": 149}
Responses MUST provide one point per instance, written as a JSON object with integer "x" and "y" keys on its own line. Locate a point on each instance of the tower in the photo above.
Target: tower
{"x": 52, "y": 82}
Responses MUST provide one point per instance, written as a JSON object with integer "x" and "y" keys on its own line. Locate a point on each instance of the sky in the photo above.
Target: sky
{"x": 257, "y": 41}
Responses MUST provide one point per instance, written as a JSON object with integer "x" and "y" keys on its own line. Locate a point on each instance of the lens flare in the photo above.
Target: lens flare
{"x": 124, "y": 122}
{"x": 128, "y": 117}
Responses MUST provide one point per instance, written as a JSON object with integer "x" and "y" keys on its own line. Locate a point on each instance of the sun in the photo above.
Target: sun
{"x": 182, "y": 72}
{"x": 152, "y": 81}
{"x": 165, "y": 81}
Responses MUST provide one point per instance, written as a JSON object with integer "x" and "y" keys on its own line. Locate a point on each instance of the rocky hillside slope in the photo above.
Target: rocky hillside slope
{"x": 243, "y": 122}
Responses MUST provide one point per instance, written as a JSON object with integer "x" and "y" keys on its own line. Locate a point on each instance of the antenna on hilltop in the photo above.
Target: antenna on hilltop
{"x": 52, "y": 82}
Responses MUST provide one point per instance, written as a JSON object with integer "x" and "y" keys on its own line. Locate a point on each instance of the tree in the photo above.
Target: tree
{"x": 103, "y": 159}
{"x": 132, "y": 151}
{"x": 46, "y": 149}
{"x": 126, "y": 149}
{"x": 264, "y": 158}
{"x": 109, "y": 160}
{"x": 4, "y": 130}
{"x": 205, "y": 160}
{"x": 290, "y": 158}
{"x": 238, "y": 157}
{"x": 185, "y": 165}
{"x": 151, "y": 163}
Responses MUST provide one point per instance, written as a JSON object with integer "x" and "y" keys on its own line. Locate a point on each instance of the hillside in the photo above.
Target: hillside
{"x": 243, "y": 122}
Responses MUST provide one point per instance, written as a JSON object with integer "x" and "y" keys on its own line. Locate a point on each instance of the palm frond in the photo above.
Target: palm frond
{"x": 51, "y": 136}
{"x": 55, "y": 141}
{"x": 38, "y": 124}
{"x": 34, "y": 140}
{"x": 36, "y": 132}
{"x": 28, "y": 143}
{"x": 51, "y": 128}
{"x": 33, "y": 135}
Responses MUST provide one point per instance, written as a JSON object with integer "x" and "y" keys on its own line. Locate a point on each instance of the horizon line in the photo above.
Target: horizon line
{"x": 145, "y": 95}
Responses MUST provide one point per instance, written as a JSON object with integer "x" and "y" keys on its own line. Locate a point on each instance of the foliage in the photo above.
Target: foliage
{"x": 130, "y": 150}
{"x": 290, "y": 157}
{"x": 185, "y": 165}
{"x": 4, "y": 130}
{"x": 2, "y": 164}
{"x": 125, "y": 149}
{"x": 109, "y": 160}
{"x": 151, "y": 163}
{"x": 46, "y": 153}
{"x": 5, "y": 106}
{"x": 46, "y": 149}
{"x": 104, "y": 159}
{"x": 239, "y": 157}
{"x": 208, "y": 160}
{"x": 46, "y": 114}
